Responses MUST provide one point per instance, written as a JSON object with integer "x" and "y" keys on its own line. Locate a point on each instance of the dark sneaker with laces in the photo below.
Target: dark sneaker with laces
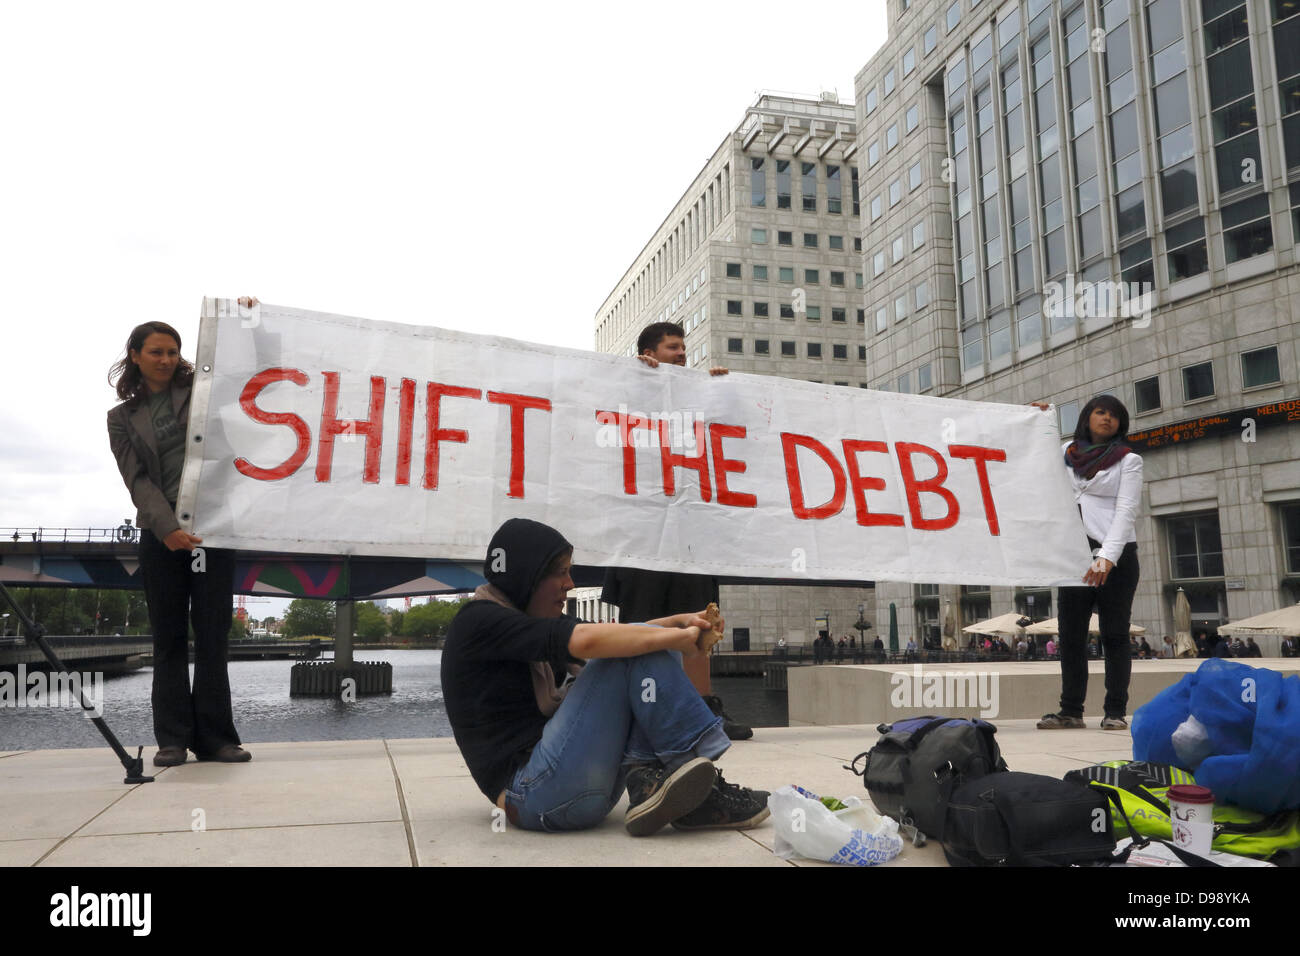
{"x": 733, "y": 730}
{"x": 1114, "y": 723}
{"x": 656, "y": 797}
{"x": 1060, "y": 722}
{"x": 729, "y": 806}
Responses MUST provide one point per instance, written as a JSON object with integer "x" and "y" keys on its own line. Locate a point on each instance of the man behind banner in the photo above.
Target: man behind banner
{"x": 642, "y": 595}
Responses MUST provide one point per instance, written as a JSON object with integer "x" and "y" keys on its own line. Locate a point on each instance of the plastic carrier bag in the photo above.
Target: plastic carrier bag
{"x": 805, "y": 827}
{"x": 1236, "y": 727}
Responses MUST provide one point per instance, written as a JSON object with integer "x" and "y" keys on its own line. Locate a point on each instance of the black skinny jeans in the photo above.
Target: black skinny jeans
{"x": 1113, "y": 602}
{"x": 200, "y": 720}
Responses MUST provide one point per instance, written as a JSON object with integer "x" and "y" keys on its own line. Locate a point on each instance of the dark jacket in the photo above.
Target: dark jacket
{"x": 131, "y": 436}
{"x": 487, "y": 683}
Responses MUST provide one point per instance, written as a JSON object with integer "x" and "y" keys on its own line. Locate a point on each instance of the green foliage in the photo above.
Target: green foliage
{"x": 430, "y": 620}
{"x": 307, "y": 617}
{"x": 238, "y": 631}
{"x": 371, "y": 623}
{"x": 73, "y": 610}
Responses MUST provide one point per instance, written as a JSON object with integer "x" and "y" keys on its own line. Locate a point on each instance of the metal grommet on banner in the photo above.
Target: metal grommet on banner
{"x": 207, "y": 368}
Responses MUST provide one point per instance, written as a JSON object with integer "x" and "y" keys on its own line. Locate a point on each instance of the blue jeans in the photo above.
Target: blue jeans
{"x": 620, "y": 711}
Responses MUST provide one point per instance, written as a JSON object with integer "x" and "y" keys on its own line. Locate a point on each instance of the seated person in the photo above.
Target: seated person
{"x": 559, "y": 758}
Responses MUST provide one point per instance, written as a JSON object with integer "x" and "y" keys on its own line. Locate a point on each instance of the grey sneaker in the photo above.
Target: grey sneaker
{"x": 728, "y": 807}
{"x": 1114, "y": 723}
{"x": 1060, "y": 722}
{"x": 657, "y": 797}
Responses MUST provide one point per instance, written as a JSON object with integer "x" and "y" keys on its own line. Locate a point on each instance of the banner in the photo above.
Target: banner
{"x": 321, "y": 433}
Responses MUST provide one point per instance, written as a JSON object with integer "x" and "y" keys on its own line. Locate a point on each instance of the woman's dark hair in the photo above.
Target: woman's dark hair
{"x": 125, "y": 376}
{"x": 1110, "y": 403}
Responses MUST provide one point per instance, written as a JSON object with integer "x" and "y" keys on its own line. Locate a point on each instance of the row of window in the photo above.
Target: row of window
{"x": 759, "y": 273}
{"x": 1259, "y": 368}
{"x": 898, "y": 249}
{"x": 811, "y": 240}
{"x": 895, "y": 191}
{"x": 813, "y": 313}
{"x": 788, "y": 349}
{"x": 919, "y": 296}
{"x": 808, "y": 184}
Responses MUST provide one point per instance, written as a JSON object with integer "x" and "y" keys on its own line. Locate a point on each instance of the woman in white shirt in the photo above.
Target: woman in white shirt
{"x": 1107, "y": 479}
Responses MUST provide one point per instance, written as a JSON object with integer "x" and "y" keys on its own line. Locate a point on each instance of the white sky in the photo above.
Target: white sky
{"x": 493, "y": 168}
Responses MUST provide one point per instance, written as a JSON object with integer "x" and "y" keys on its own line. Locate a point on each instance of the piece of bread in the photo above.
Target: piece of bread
{"x": 714, "y": 634}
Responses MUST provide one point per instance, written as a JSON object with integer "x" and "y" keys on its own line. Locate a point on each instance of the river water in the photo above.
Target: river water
{"x": 264, "y": 711}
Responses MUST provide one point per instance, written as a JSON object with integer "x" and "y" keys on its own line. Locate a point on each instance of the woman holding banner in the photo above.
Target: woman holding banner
{"x": 183, "y": 584}
{"x": 1106, "y": 476}
{"x": 558, "y": 758}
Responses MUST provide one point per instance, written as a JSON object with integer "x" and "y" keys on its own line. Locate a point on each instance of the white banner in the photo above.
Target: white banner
{"x": 325, "y": 434}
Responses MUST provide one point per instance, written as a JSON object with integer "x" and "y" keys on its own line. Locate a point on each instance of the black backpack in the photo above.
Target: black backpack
{"x": 913, "y": 770}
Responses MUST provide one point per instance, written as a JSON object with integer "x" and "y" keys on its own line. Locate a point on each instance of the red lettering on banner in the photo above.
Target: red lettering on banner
{"x": 934, "y": 486}
{"x": 248, "y": 402}
{"x": 405, "y": 422}
{"x": 518, "y": 404}
{"x": 722, "y": 465}
{"x": 331, "y": 425}
{"x": 790, "y": 443}
{"x": 982, "y": 455}
{"x": 859, "y": 484}
{"x": 671, "y": 461}
{"x": 626, "y": 422}
{"x": 435, "y": 434}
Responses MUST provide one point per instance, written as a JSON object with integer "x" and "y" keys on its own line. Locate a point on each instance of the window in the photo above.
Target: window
{"x": 862, "y": 353}
{"x": 909, "y": 61}
{"x": 1195, "y": 548}
{"x": 896, "y": 249}
{"x": 735, "y": 347}
{"x": 882, "y": 318}
{"x": 783, "y": 184}
{"x": 787, "y": 311}
{"x": 808, "y": 186}
{"x": 857, "y": 280}
{"x": 787, "y": 349}
{"x": 918, "y": 235}
{"x": 889, "y": 82}
{"x": 914, "y": 176}
{"x": 1247, "y": 229}
{"x": 733, "y": 307}
{"x": 758, "y": 236}
{"x": 954, "y": 16}
{"x": 891, "y": 137}
{"x": 871, "y": 100}
{"x": 814, "y": 350}
{"x": 857, "y": 243}
{"x": 785, "y": 273}
{"x": 1198, "y": 381}
{"x": 1187, "y": 252}
{"x": 1290, "y": 521}
{"x": 862, "y": 316}
{"x": 760, "y": 347}
{"x": 895, "y": 192}
{"x": 785, "y": 238}
{"x": 900, "y": 308}
{"x": 814, "y": 313}
{"x": 913, "y": 118}
{"x": 839, "y": 351}
{"x": 921, "y": 294}
{"x": 810, "y": 240}
{"x": 876, "y": 209}
{"x": 837, "y": 315}
{"x": 760, "y": 273}
{"x": 873, "y": 154}
{"x": 811, "y": 276}
{"x": 1146, "y": 395}
{"x": 923, "y": 382}
{"x": 760, "y": 310}
{"x": 834, "y": 196}
{"x": 931, "y": 40}
{"x": 757, "y": 182}
{"x": 837, "y": 278}
{"x": 733, "y": 270}
{"x": 878, "y": 264}
{"x": 1260, "y": 367}
{"x": 835, "y": 242}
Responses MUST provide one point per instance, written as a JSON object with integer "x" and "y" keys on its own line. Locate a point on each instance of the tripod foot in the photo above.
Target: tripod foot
{"x": 135, "y": 769}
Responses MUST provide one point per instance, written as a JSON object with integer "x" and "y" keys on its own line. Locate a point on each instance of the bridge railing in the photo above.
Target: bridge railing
{"x": 122, "y": 534}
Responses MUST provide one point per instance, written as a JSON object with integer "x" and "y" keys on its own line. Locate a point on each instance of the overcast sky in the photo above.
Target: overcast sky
{"x": 493, "y": 167}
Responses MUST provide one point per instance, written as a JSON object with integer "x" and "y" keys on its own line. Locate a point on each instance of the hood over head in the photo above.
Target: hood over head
{"x": 518, "y": 553}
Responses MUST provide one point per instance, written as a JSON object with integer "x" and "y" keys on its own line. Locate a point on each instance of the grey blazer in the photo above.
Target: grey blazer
{"x": 131, "y": 436}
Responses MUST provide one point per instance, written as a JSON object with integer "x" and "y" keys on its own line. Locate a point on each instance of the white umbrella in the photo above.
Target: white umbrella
{"x": 1002, "y": 624}
{"x": 1094, "y": 627}
{"x": 949, "y": 629}
{"x": 1184, "y": 646}
{"x": 1284, "y": 622}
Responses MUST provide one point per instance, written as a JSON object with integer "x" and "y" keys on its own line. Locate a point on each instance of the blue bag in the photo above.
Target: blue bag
{"x": 1244, "y": 739}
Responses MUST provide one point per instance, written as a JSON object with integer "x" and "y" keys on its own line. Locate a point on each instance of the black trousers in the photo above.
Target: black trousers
{"x": 180, "y": 595}
{"x": 1113, "y": 602}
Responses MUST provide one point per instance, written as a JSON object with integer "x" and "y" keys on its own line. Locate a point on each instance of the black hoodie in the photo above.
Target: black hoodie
{"x": 487, "y": 683}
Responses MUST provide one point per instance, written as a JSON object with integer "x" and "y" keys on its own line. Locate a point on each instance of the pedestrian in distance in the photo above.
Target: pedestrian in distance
{"x": 185, "y": 585}
{"x": 1106, "y": 476}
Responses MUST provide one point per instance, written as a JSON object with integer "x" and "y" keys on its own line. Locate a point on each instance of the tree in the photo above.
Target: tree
{"x": 308, "y": 618}
{"x": 371, "y": 623}
{"x": 238, "y": 631}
